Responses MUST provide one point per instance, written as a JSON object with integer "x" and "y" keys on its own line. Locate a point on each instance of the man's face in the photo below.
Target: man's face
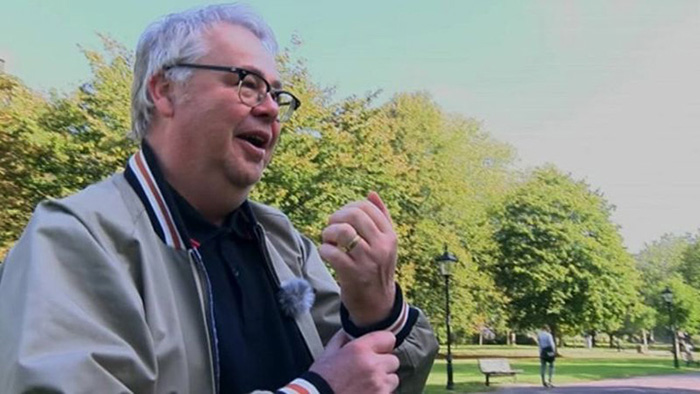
{"x": 219, "y": 135}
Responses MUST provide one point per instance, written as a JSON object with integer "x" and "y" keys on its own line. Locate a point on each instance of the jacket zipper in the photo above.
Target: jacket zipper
{"x": 206, "y": 302}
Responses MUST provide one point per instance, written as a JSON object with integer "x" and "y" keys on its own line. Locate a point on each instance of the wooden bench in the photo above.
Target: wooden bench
{"x": 497, "y": 367}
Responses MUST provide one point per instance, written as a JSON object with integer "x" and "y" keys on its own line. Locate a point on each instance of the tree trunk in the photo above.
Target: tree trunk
{"x": 643, "y": 347}
{"x": 593, "y": 339}
{"x": 513, "y": 338}
{"x": 481, "y": 337}
{"x": 555, "y": 335}
{"x": 612, "y": 340}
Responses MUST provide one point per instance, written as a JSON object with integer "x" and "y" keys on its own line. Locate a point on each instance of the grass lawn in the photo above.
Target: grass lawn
{"x": 575, "y": 365}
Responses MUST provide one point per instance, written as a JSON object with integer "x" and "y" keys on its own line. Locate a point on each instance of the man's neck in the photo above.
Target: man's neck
{"x": 212, "y": 204}
{"x": 213, "y": 197}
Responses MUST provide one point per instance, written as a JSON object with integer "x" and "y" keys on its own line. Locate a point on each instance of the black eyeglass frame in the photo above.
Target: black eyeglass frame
{"x": 242, "y": 73}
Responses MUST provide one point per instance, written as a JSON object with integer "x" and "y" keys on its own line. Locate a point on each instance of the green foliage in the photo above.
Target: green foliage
{"x": 560, "y": 260}
{"x": 669, "y": 261}
{"x": 685, "y": 308}
{"x": 51, "y": 147}
{"x": 662, "y": 258}
{"x": 448, "y": 184}
{"x": 639, "y": 319}
{"x": 23, "y": 148}
{"x": 690, "y": 265}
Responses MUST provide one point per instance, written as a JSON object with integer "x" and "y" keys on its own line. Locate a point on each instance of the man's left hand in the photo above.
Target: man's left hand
{"x": 365, "y": 265}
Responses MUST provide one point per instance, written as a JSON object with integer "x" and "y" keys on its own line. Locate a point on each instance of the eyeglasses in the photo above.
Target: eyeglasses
{"x": 253, "y": 88}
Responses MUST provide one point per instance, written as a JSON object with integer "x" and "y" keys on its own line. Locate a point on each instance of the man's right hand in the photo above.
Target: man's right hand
{"x": 363, "y": 365}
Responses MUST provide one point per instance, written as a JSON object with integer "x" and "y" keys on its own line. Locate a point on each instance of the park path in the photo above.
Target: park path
{"x": 686, "y": 383}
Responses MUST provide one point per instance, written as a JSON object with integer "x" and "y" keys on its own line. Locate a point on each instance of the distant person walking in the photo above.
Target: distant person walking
{"x": 548, "y": 351}
{"x": 686, "y": 345}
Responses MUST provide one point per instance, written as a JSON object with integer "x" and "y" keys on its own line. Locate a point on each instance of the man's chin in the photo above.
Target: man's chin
{"x": 246, "y": 181}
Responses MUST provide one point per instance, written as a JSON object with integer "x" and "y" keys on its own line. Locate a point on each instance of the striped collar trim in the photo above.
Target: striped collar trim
{"x": 161, "y": 215}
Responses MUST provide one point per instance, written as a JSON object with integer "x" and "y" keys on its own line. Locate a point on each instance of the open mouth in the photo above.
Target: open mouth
{"x": 257, "y": 140}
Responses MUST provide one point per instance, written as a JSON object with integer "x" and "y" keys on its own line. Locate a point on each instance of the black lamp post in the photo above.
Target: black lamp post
{"x": 668, "y": 299}
{"x": 446, "y": 261}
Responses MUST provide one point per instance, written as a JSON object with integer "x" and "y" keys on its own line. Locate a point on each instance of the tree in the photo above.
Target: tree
{"x": 639, "y": 320}
{"x": 662, "y": 258}
{"x": 685, "y": 307}
{"x": 560, "y": 260}
{"x": 450, "y": 171}
{"x": 662, "y": 262}
{"x": 690, "y": 264}
{"x": 55, "y": 146}
{"x": 94, "y": 120}
{"x": 22, "y": 151}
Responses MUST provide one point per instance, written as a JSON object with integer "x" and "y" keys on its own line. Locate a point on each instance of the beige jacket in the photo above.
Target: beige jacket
{"x": 96, "y": 297}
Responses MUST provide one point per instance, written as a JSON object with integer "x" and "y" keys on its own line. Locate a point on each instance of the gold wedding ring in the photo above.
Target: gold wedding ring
{"x": 347, "y": 248}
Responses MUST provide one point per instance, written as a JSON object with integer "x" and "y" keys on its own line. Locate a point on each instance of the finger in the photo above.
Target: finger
{"x": 379, "y": 341}
{"x": 389, "y": 363}
{"x": 363, "y": 216}
{"x": 375, "y": 213}
{"x": 338, "y": 234}
{"x": 339, "y": 260}
{"x": 374, "y": 207}
{"x": 392, "y": 381}
{"x": 337, "y": 341}
{"x": 374, "y": 198}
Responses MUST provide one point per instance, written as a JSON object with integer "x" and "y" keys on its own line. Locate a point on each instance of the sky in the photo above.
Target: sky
{"x": 607, "y": 90}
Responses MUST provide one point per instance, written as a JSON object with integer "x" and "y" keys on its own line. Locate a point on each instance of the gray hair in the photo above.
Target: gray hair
{"x": 177, "y": 38}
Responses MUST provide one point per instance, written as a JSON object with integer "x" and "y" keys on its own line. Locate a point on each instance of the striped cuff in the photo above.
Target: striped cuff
{"x": 400, "y": 321}
{"x": 308, "y": 383}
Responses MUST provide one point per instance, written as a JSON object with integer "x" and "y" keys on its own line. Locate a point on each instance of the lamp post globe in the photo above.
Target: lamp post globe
{"x": 446, "y": 262}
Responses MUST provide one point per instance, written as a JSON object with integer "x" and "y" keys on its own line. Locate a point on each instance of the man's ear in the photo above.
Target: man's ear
{"x": 161, "y": 91}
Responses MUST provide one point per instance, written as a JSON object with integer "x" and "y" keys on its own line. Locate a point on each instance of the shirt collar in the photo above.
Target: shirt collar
{"x": 239, "y": 222}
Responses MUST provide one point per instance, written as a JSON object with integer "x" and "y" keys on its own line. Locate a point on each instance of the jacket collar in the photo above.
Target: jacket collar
{"x": 144, "y": 175}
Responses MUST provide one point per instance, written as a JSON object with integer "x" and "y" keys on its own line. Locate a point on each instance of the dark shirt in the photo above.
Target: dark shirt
{"x": 259, "y": 346}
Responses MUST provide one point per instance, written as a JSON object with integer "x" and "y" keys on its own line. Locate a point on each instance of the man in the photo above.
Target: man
{"x": 548, "y": 351}
{"x": 166, "y": 278}
{"x": 686, "y": 348}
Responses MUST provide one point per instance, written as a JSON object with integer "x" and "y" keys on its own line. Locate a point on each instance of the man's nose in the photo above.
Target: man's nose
{"x": 268, "y": 107}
